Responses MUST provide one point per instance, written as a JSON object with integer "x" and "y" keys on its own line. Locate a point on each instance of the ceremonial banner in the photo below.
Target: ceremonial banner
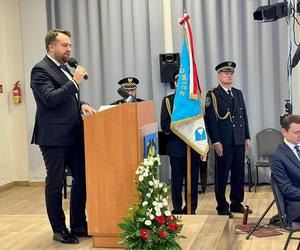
{"x": 187, "y": 119}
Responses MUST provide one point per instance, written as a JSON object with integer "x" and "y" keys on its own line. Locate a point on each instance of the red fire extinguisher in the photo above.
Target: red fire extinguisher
{"x": 17, "y": 93}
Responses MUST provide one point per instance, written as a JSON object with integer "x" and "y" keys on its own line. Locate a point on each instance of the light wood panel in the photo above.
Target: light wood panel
{"x": 113, "y": 150}
{"x": 24, "y": 224}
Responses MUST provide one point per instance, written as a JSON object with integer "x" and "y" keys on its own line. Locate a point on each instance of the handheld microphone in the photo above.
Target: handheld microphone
{"x": 73, "y": 63}
{"x": 126, "y": 96}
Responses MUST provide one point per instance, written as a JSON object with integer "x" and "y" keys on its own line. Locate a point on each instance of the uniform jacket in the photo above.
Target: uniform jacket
{"x": 58, "y": 120}
{"x": 233, "y": 130}
{"x": 285, "y": 167}
{"x": 175, "y": 146}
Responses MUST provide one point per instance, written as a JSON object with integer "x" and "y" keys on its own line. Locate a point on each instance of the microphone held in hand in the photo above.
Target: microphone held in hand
{"x": 126, "y": 96}
{"x": 73, "y": 63}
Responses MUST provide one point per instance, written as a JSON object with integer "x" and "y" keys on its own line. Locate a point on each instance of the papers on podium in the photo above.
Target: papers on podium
{"x": 105, "y": 107}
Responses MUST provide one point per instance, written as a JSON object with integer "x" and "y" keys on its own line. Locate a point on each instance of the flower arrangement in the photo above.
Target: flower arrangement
{"x": 151, "y": 225}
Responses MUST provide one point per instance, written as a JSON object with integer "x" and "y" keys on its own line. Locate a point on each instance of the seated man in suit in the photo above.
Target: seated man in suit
{"x": 285, "y": 166}
{"x": 129, "y": 84}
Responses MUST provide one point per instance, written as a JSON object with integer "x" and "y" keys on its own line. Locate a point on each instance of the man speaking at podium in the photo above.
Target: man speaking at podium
{"x": 127, "y": 90}
{"x": 58, "y": 131}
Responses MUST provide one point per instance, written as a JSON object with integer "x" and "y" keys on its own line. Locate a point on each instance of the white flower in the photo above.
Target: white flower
{"x": 146, "y": 173}
{"x": 154, "y": 203}
{"x": 150, "y": 162}
{"x": 141, "y": 178}
{"x": 165, "y": 202}
{"x": 145, "y": 203}
{"x": 137, "y": 172}
{"x": 150, "y": 183}
{"x": 156, "y": 182}
{"x": 148, "y": 222}
{"x": 157, "y": 212}
{"x": 167, "y": 213}
{"x": 151, "y": 217}
{"x": 159, "y": 204}
{"x": 165, "y": 190}
{"x": 148, "y": 195}
{"x": 160, "y": 185}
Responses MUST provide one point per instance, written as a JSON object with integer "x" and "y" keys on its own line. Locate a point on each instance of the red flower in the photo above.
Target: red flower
{"x": 173, "y": 226}
{"x": 160, "y": 219}
{"x": 162, "y": 234}
{"x": 169, "y": 218}
{"x": 144, "y": 233}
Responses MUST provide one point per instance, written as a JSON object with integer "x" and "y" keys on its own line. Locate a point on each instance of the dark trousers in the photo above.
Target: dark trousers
{"x": 56, "y": 159}
{"x": 233, "y": 159}
{"x": 178, "y": 174}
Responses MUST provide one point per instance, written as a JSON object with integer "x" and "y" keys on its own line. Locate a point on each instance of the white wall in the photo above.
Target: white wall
{"x": 22, "y": 30}
{"x": 14, "y": 163}
{"x": 34, "y": 28}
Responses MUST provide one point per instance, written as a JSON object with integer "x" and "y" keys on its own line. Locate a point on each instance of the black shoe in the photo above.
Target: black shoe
{"x": 240, "y": 209}
{"x": 226, "y": 212}
{"x": 80, "y": 232}
{"x": 65, "y": 236}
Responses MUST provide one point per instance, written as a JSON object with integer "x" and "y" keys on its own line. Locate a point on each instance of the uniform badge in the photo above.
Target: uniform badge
{"x": 207, "y": 101}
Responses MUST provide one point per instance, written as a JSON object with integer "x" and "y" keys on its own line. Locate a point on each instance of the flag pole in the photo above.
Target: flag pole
{"x": 188, "y": 179}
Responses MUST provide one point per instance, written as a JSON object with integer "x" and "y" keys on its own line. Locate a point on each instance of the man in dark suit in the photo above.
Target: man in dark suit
{"x": 129, "y": 84}
{"x": 285, "y": 166}
{"x": 227, "y": 125}
{"x": 177, "y": 151}
{"x": 58, "y": 131}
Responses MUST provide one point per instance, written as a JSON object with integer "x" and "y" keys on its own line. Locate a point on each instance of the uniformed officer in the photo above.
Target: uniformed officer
{"x": 177, "y": 151}
{"x": 130, "y": 85}
{"x": 227, "y": 125}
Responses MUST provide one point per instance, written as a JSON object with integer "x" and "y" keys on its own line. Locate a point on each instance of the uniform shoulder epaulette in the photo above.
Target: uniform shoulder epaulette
{"x": 170, "y": 95}
{"x": 212, "y": 90}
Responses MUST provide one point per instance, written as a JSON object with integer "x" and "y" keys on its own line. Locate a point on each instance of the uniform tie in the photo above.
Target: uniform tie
{"x": 297, "y": 148}
{"x": 229, "y": 93}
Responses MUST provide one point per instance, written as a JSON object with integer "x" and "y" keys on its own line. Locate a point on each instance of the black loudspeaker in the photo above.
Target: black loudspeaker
{"x": 169, "y": 64}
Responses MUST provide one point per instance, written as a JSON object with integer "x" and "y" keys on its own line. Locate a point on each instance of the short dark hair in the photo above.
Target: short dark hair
{"x": 52, "y": 34}
{"x": 286, "y": 123}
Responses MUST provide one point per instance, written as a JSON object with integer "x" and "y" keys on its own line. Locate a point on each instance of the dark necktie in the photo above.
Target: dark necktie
{"x": 297, "y": 148}
{"x": 229, "y": 93}
{"x": 65, "y": 68}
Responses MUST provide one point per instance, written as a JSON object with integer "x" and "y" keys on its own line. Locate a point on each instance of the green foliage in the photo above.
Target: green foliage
{"x": 151, "y": 225}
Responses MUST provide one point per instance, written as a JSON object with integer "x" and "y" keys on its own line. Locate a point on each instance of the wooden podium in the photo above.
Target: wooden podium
{"x": 113, "y": 150}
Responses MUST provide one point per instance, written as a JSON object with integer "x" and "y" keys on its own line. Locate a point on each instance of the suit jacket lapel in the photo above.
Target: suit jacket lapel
{"x": 224, "y": 95}
{"x": 54, "y": 67}
{"x": 235, "y": 100}
{"x": 290, "y": 154}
